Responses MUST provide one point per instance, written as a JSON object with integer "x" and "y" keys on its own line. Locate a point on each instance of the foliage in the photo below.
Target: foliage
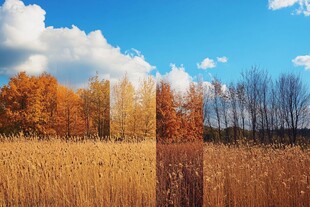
{"x": 133, "y": 110}
{"x": 179, "y": 117}
{"x": 39, "y": 105}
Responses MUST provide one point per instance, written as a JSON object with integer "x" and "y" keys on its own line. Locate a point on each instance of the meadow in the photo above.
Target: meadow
{"x": 93, "y": 173}
{"x": 179, "y": 174}
{"x": 256, "y": 176}
{"x": 58, "y": 173}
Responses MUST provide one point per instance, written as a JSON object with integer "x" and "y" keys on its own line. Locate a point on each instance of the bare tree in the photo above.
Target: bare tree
{"x": 270, "y": 109}
{"x": 234, "y": 109}
{"x": 207, "y": 110}
{"x": 263, "y": 83}
{"x": 224, "y": 100}
{"x": 250, "y": 82}
{"x": 242, "y": 105}
{"x": 295, "y": 98}
{"x": 274, "y": 111}
{"x": 217, "y": 86}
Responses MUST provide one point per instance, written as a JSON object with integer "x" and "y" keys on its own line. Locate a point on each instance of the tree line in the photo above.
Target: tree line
{"x": 257, "y": 107}
{"x": 40, "y": 106}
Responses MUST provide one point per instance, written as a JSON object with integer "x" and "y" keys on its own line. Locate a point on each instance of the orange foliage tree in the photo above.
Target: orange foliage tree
{"x": 166, "y": 116}
{"x": 193, "y": 115}
{"x": 179, "y": 117}
{"x": 38, "y": 105}
{"x": 69, "y": 121}
{"x": 28, "y": 104}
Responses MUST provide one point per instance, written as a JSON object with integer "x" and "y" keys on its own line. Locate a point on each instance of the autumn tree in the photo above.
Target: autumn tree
{"x": 147, "y": 93}
{"x": 193, "y": 106}
{"x": 133, "y": 110}
{"x": 69, "y": 121}
{"x": 122, "y": 108}
{"x": 85, "y": 110}
{"x": 100, "y": 105}
{"x": 47, "y": 84}
{"x": 166, "y": 118}
{"x": 28, "y": 105}
{"x": 135, "y": 122}
{"x": 15, "y": 98}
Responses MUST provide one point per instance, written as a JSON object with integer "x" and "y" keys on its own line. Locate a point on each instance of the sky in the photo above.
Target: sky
{"x": 176, "y": 39}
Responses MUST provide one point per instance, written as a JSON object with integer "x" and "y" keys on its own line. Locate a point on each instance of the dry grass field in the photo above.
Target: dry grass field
{"x": 179, "y": 173}
{"x": 256, "y": 176}
{"x": 58, "y": 173}
{"x": 55, "y": 173}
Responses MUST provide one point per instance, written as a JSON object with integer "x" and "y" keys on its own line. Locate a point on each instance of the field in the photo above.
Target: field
{"x": 256, "y": 176}
{"x": 179, "y": 174}
{"x": 58, "y": 173}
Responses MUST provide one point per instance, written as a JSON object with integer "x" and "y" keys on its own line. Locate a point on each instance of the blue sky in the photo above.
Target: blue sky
{"x": 185, "y": 32}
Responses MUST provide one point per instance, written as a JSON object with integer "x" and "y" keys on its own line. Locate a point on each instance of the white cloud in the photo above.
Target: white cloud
{"x": 303, "y": 5}
{"x": 206, "y": 63}
{"x": 222, "y": 59}
{"x": 279, "y": 4}
{"x": 68, "y": 53}
{"x": 210, "y": 63}
{"x": 178, "y": 78}
{"x": 21, "y": 26}
{"x": 303, "y": 61}
{"x": 35, "y": 63}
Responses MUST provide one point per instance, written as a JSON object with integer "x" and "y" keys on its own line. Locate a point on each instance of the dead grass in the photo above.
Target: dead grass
{"x": 256, "y": 176}
{"x": 179, "y": 174}
{"x": 56, "y": 173}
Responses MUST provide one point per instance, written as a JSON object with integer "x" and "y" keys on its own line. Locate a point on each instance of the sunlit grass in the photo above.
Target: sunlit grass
{"x": 256, "y": 176}
{"x": 56, "y": 173}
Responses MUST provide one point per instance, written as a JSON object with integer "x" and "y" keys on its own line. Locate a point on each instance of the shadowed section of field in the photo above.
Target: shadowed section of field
{"x": 179, "y": 172}
{"x": 56, "y": 173}
{"x": 256, "y": 176}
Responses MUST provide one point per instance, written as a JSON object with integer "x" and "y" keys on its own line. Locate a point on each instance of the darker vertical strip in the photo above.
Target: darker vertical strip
{"x": 179, "y": 147}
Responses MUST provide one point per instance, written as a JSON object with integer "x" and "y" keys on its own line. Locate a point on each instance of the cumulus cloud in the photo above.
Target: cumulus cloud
{"x": 178, "y": 78}
{"x": 222, "y": 59}
{"x": 210, "y": 63}
{"x": 35, "y": 63}
{"x": 303, "y": 5}
{"x": 206, "y": 63}
{"x": 303, "y": 61}
{"x": 70, "y": 54}
{"x": 21, "y": 26}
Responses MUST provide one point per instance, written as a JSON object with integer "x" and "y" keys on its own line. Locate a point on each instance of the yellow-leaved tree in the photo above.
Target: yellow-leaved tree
{"x": 122, "y": 109}
{"x": 147, "y": 103}
{"x": 99, "y": 100}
